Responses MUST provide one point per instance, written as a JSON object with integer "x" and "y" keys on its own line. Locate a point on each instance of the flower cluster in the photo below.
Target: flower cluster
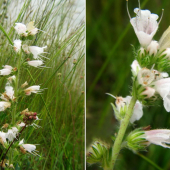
{"x": 150, "y": 79}
{"x": 10, "y": 133}
{"x": 150, "y": 82}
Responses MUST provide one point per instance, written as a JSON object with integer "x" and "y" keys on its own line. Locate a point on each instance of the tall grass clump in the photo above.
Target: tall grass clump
{"x": 60, "y": 104}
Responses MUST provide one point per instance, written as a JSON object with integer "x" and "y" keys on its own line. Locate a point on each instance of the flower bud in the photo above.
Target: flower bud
{"x": 135, "y": 140}
{"x": 135, "y": 67}
{"x": 24, "y": 85}
{"x": 98, "y": 153}
{"x": 142, "y": 52}
{"x": 34, "y": 114}
{"x": 149, "y": 92}
{"x": 167, "y": 53}
{"x": 153, "y": 47}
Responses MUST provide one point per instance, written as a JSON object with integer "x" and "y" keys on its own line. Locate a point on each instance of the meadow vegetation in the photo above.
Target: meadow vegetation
{"x": 61, "y": 104}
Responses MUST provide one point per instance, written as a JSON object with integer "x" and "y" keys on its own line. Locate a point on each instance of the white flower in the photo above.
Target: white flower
{"x": 9, "y": 92}
{"x": 3, "y": 136}
{"x": 149, "y": 92}
{"x": 6, "y": 70}
{"x": 137, "y": 111}
{"x": 32, "y": 89}
{"x": 162, "y": 86}
{"x": 21, "y": 29}
{"x": 153, "y": 47}
{"x": 36, "y": 51}
{"x": 145, "y": 25}
{"x": 22, "y": 124}
{"x": 29, "y": 147}
{"x": 17, "y": 45}
{"x": 145, "y": 76}
{"x": 4, "y": 105}
{"x": 135, "y": 67}
{"x": 31, "y": 28}
{"x": 12, "y": 133}
{"x": 120, "y": 102}
{"x": 35, "y": 63}
{"x": 26, "y": 30}
{"x": 26, "y": 49}
{"x": 158, "y": 137}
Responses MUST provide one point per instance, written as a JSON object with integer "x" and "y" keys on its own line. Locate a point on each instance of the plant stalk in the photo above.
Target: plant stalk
{"x": 117, "y": 144}
{"x": 16, "y": 87}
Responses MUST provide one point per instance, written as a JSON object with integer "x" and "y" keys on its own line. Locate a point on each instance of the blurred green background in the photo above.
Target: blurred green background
{"x": 109, "y": 36}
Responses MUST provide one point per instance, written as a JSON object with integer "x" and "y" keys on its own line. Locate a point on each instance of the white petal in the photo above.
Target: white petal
{"x": 137, "y": 112}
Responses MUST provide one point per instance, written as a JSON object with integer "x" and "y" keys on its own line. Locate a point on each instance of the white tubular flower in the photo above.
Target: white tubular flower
{"x": 31, "y": 28}
{"x": 120, "y": 103}
{"x": 32, "y": 89}
{"x": 22, "y": 124}
{"x": 9, "y": 92}
{"x": 3, "y": 136}
{"x": 145, "y": 25}
{"x": 137, "y": 111}
{"x": 163, "y": 88}
{"x": 36, "y": 51}
{"x": 35, "y": 63}
{"x": 6, "y": 70}
{"x": 149, "y": 92}
{"x": 26, "y": 49}
{"x": 12, "y": 133}
{"x": 21, "y": 29}
{"x": 158, "y": 137}
{"x": 4, "y": 105}
{"x": 153, "y": 47}
{"x": 17, "y": 45}
{"x": 29, "y": 147}
{"x": 135, "y": 67}
{"x": 146, "y": 76}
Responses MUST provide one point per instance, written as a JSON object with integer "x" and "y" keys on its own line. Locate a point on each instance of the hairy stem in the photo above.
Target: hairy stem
{"x": 16, "y": 87}
{"x": 122, "y": 130}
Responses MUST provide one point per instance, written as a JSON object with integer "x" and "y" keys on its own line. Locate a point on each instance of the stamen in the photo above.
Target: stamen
{"x": 111, "y": 95}
{"x": 139, "y": 3}
{"x": 161, "y": 16}
{"x": 127, "y": 9}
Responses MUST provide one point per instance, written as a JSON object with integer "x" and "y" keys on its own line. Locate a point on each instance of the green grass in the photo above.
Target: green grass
{"x": 109, "y": 56}
{"x": 61, "y": 104}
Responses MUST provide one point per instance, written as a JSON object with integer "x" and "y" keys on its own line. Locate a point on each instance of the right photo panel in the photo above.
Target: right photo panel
{"x": 127, "y": 85}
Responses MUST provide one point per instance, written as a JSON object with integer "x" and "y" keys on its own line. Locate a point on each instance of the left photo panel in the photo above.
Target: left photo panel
{"x": 42, "y": 80}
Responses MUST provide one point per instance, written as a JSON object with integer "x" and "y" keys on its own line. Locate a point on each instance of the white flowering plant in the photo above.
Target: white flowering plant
{"x": 14, "y": 91}
{"x": 42, "y": 69}
{"x": 150, "y": 82}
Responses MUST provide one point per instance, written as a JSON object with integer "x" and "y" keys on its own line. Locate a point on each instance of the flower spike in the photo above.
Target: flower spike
{"x": 127, "y": 9}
